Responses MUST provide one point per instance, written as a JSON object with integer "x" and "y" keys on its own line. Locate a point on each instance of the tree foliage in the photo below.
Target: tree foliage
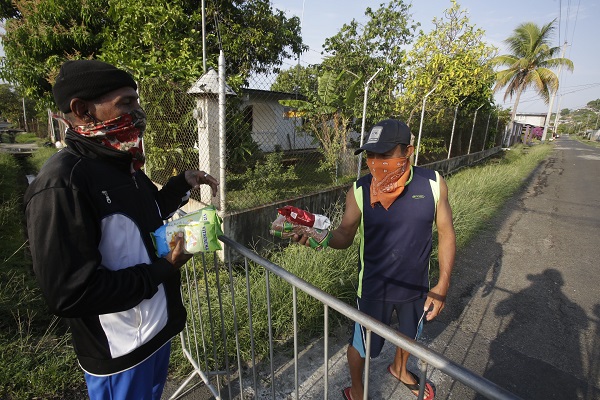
{"x": 327, "y": 115}
{"x": 453, "y": 60}
{"x": 530, "y": 63}
{"x": 297, "y": 79}
{"x": 11, "y": 106}
{"x": 149, "y": 38}
{"x": 362, "y": 49}
{"x": 594, "y": 105}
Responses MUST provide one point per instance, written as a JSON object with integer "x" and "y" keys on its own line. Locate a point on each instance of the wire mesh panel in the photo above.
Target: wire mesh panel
{"x": 171, "y": 138}
{"x": 270, "y": 151}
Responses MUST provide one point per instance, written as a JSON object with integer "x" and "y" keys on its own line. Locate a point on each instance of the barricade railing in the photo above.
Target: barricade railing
{"x": 205, "y": 343}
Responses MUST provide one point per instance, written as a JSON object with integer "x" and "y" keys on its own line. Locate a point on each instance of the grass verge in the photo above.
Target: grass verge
{"x": 583, "y": 140}
{"x": 38, "y": 361}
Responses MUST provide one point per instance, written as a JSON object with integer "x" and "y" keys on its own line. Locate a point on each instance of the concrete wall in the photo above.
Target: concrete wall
{"x": 251, "y": 227}
{"x": 453, "y": 164}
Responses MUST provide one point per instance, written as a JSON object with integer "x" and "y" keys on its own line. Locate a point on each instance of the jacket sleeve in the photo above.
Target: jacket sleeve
{"x": 63, "y": 237}
{"x": 172, "y": 196}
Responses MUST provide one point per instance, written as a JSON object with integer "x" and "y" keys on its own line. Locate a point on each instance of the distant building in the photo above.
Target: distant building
{"x": 532, "y": 119}
{"x": 525, "y": 127}
{"x": 274, "y": 126}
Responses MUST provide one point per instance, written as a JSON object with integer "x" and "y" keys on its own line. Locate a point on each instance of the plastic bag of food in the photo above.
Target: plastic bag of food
{"x": 302, "y": 217}
{"x": 283, "y": 228}
{"x": 200, "y": 229}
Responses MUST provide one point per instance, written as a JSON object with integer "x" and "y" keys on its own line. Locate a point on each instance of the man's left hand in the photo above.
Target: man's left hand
{"x": 197, "y": 178}
{"x": 435, "y": 303}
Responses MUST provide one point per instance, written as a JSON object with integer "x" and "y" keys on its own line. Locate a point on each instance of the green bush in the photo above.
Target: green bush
{"x": 26, "y": 138}
{"x": 269, "y": 180}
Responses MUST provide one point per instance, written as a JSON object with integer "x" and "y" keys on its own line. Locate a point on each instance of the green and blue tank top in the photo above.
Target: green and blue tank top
{"x": 395, "y": 244}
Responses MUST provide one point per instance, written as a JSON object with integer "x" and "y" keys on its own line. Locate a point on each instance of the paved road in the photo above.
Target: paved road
{"x": 524, "y": 309}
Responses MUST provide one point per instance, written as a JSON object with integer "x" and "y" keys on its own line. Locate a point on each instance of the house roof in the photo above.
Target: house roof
{"x": 209, "y": 84}
{"x": 273, "y": 94}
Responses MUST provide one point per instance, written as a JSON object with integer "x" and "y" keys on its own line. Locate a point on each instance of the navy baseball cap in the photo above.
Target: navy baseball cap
{"x": 386, "y": 135}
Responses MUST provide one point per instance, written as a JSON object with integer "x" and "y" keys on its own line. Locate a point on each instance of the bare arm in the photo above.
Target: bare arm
{"x": 343, "y": 235}
{"x": 446, "y": 253}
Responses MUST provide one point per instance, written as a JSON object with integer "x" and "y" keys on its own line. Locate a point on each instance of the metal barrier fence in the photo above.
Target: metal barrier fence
{"x": 222, "y": 317}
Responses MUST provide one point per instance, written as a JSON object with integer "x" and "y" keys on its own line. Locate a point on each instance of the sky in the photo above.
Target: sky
{"x": 576, "y": 23}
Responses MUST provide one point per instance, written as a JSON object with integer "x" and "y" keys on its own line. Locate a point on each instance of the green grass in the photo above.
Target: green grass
{"x": 39, "y": 157}
{"x": 36, "y": 359}
{"x": 585, "y": 141}
{"x": 25, "y": 138}
{"x": 262, "y": 186}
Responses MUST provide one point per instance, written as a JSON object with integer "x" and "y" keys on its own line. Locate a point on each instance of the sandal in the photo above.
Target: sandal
{"x": 414, "y": 387}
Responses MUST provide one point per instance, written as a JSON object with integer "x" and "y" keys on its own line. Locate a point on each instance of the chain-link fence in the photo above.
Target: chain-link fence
{"x": 273, "y": 152}
{"x": 451, "y": 132}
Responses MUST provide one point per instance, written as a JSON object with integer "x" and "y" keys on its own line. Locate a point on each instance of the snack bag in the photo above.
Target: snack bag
{"x": 302, "y": 217}
{"x": 200, "y": 232}
{"x": 286, "y": 227}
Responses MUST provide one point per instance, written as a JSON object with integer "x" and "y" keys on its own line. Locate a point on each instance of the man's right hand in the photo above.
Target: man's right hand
{"x": 177, "y": 256}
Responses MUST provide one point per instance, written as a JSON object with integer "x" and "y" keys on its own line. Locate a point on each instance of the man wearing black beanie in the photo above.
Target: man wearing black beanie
{"x": 121, "y": 301}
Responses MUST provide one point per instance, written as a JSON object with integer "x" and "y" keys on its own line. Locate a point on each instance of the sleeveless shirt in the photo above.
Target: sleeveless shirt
{"x": 395, "y": 244}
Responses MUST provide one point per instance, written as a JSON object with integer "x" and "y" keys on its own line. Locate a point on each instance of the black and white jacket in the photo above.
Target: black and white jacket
{"x": 89, "y": 222}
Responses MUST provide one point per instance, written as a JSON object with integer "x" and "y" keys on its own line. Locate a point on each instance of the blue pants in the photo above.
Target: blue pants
{"x": 145, "y": 381}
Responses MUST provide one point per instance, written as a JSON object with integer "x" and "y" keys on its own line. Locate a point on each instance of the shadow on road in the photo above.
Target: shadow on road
{"x": 543, "y": 322}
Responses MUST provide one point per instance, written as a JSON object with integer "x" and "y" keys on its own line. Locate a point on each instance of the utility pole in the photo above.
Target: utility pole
{"x": 557, "y": 116}
{"x": 203, "y": 38}
{"x": 547, "y": 122}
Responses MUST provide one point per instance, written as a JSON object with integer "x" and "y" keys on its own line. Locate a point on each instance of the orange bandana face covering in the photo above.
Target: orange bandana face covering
{"x": 389, "y": 178}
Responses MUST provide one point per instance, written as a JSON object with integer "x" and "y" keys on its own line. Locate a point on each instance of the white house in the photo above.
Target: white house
{"x": 533, "y": 119}
{"x": 274, "y": 126}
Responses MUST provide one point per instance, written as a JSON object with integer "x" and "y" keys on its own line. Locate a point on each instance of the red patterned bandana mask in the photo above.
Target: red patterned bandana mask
{"x": 123, "y": 133}
{"x": 389, "y": 178}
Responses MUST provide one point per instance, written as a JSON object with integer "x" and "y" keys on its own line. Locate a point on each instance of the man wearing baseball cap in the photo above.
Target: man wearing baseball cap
{"x": 395, "y": 206}
{"x": 121, "y": 301}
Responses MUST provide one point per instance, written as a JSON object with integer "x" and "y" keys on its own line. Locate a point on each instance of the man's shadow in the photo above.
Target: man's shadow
{"x": 538, "y": 353}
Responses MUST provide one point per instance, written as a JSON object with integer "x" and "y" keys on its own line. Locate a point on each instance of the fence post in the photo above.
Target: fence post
{"x": 486, "y": 131}
{"x": 421, "y": 125}
{"x": 362, "y": 130}
{"x": 222, "y": 159}
{"x": 453, "y": 126}
{"x": 473, "y": 130}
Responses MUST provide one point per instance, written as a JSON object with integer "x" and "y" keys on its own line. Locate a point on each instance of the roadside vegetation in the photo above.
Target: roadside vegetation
{"x": 37, "y": 359}
{"x": 584, "y": 140}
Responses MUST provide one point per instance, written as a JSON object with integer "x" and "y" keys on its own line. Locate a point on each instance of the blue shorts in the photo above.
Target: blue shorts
{"x": 144, "y": 381}
{"x": 409, "y": 315}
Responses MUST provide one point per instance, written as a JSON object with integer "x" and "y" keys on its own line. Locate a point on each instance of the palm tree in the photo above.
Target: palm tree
{"x": 529, "y": 63}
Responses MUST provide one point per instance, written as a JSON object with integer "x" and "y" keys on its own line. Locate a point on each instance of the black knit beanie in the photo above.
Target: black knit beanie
{"x": 87, "y": 80}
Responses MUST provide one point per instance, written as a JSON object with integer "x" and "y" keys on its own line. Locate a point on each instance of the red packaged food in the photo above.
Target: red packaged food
{"x": 298, "y": 216}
